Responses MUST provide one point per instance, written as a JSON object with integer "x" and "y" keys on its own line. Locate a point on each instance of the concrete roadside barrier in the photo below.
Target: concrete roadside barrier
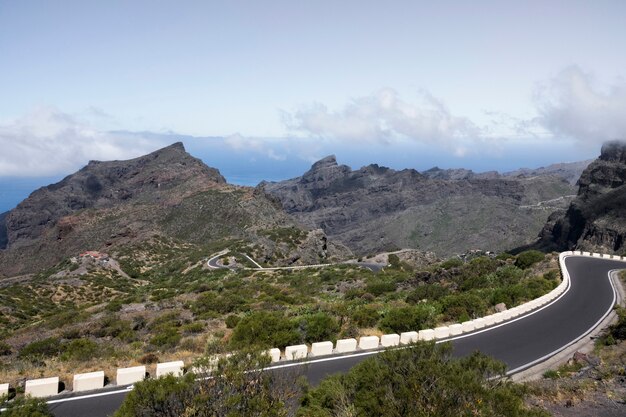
{"x": 388, "y": 340}
{"x": 369, "y": 342}
{"x": 455, "y": 329}
{"x": 468, "y": 326}
{"x": 345, "y": 345}
{"x": 479, "y": 323}
{"x": 43, "y": 387}
{"x": 88, "y": 381}
{"x": 296, "y": 352}
{"x": 408, "y": 337}
{"x": 497, "y": 318}
{"x": 131, "y": 375}
{"x": 170, "y": 368}
{"x": 4, "y": 389}
{"x": 274, "y": 354}
{"x": 489, "y": 320}
{"x": 426, "y": 334}
{"x": 321, "y": 348}
{"x": 442, "y": 332}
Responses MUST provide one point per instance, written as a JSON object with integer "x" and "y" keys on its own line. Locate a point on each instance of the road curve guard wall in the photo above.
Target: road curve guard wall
{"x": 46, "y": 387}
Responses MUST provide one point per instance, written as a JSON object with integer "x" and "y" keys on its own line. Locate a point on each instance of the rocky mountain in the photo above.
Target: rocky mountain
{"x": 569, "y": 171}
{"x": 166, "y": 193}
{"x": 376, "y": 208}
{"x": 596, "y": 218}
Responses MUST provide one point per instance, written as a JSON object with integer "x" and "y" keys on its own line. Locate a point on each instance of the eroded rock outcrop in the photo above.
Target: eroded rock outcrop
{"x": 596, "y": 219}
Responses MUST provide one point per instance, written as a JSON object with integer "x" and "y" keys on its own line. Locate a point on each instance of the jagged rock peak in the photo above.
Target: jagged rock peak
{"x": 614, "y": 151}
{"x": 329, "y": 161}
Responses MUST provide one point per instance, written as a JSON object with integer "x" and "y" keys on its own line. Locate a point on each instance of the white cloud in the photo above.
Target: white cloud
{"x": 385, "y": 117}
{"x": 573, "y": 106}
{"x": 241, "y": 143}
{"x": 50, "y": 142}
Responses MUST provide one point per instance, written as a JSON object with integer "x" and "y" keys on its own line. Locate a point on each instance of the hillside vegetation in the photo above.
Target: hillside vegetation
{"x": 163, "y": 302}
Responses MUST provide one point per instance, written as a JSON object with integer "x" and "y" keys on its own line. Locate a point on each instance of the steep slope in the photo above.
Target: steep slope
{"x": 596, "y": 219}
{"x": 376, "y": 208}
{"x": 107, "y": 204}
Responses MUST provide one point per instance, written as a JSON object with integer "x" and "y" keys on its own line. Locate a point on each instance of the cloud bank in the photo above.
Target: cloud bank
{"x": 570, "y": 106}
{"x": 49, "y": 142}
{"x": 385, "y": 117}
{"x": 573, "y": 106}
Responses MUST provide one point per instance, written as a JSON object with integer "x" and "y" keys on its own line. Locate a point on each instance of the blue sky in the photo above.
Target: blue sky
{"x": 262, "y": 89}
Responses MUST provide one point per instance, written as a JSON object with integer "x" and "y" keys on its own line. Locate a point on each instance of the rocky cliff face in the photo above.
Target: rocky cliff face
{"x": 377, "y": 208}
{"x": 108, "y": 204}
{"x": 596, "y": 219}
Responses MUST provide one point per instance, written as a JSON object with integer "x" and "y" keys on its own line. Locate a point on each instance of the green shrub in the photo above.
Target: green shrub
{"x": 422, "y": 380}
{"x": 231, "y": 321}
{"x": 430, "y": 292}
{"x": 463, "y": 304}
{"x": 25, "y": 407}
{"x": 528, "y": 258}
{"x": 80, "y": 349}
{"x": 265, "y": 329}
{"x": 551, "y": 374}
{"x": 451, "y": 263}
{"x": 195, "y": 327}
{"x": 166, "y": 338}
{"x": 404, "y": 319}
{"x": 41, "y": 349}
{"x": 319, "y": 327}
{"x": 365, "y": 316}
{"x": 377, "y": 288}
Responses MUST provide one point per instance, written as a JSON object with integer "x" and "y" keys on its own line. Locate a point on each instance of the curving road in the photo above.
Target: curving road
{"x": 520, "y": 343}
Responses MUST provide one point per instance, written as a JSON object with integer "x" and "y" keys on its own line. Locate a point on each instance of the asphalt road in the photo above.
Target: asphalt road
{"x": 519, "y": 343}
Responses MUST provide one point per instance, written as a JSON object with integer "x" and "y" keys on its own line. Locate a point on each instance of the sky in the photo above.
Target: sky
{"x": 260, "y": 90}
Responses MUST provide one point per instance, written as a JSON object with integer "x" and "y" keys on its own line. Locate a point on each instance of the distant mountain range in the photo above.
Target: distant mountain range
{"x": 329, "y": 213}
{"x": 446, "y": 211}
{"x": 167, "y": 193}
{"x": 570, "y": 172}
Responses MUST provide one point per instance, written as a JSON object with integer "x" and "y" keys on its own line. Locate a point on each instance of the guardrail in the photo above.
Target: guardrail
{"x": 46, "y": 387}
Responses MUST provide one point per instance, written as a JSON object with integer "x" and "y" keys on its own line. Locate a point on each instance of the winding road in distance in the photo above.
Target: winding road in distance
{"x": 520, "y": 343}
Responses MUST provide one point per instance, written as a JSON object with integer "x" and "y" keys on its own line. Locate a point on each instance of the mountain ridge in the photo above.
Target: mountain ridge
{"x": 378, "y": 208}
{"x": 165, "y": 193}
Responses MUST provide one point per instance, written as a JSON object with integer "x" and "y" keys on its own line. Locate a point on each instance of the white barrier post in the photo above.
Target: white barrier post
{"x": 126, "y": 376}
{"x": 479, "y": 323}
{"x": 4, "y": 389}
{"x": 296, "y": 352}
{"x": 368, "y": 342}
{"x": 345, "y": 345}
{"x": 388, "y": 340}
{"x": 426, "y": 334}
{"x": 408, "y": 337}
{"x": 455, "y": 329}
{"x": 442, "y": 332}
{"x": 274, "y": 354}
{"x": 321, "y": 348}
{"x": 88, "y": 381}
{"x": 169, "y": 368}
{"x": 468, "y": 326}
{"x": 43, "y": 387}
{"x": 497, "y": 318}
